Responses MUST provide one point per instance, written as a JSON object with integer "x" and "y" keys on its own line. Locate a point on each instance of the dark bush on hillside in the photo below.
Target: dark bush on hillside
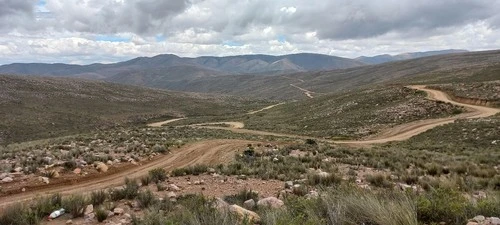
{"x": 75, "y": 205}
{"x": 158, "y": 175}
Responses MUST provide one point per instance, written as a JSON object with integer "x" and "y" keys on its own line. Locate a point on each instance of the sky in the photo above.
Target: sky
{"x": 105, "y": 31}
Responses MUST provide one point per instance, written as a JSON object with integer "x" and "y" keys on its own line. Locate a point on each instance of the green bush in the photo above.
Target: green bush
{"x": 101, "y": 214}
{"x": 328, "y": 180}
{"x": 43, "y": 206}
{"x": 75, "y": 205}
{"x": 19, "y": 214}
{"x": 158, "y": 175}
{"x": 130, "y": 191}
{"x": 98, "y": 197}
{"x": 442, "y": 205}
{"x": 145, "y": 180}
{"x": 146, "y": 199}
{"x": 378, "y": 180}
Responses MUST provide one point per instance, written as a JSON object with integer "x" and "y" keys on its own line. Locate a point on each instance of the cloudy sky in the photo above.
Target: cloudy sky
{"x": 87, "y": 31}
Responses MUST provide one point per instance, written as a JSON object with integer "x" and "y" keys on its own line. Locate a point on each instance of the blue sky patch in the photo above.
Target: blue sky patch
{"x": 111, "y": 38}
{"x": 281, "y": 38}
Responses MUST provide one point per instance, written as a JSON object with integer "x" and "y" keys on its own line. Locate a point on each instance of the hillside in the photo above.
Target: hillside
{"x": 33, "y": 107}
{"x": 204, "y": 66}
{"x": 462, "y": 67}
{"x": 378, "y": 59}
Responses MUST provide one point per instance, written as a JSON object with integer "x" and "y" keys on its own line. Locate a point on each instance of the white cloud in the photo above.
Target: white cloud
{"x": 87, "y": 31}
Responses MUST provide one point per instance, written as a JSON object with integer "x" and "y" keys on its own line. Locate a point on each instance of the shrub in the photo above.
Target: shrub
{"x": 49, "y": 173}
{"x": 442, "y": 205}
{"x": 160, "y": 149}
{"x": 19, "y": 214}
{"x": 146, "y": 199}
{"x": 70, "y": 165}
{"x": 378, "y": 180}
{"x": 130, "y": 191}
{"x": 145, "y": 180}
{"x": 241, "y": 197}
{"x": 101, "y": 214}
{"x": 328, "y": 180}
{"x": 158, "y": 175}
{"x": 75, "y": 205}
{"x": 98, "y": 197}
{"x": 43, "y": 206}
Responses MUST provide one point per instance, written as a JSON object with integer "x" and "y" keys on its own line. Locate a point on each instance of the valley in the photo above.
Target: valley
{"x": 425, "y": 129}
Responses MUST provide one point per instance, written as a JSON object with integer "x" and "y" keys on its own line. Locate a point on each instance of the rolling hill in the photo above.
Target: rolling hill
{"x": 34, "y": 107}
{"x": 206, "y": 65}
{"x": 460, "y": 67}
{"x": 378, "y": 59}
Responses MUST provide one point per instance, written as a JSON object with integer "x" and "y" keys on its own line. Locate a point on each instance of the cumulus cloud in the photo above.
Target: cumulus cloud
{"x": 88, "y": 31}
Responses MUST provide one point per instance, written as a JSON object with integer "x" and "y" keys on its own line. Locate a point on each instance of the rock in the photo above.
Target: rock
{"x": 199, "y": 182}
{"x": 245, "y": 214}
{"x": 472, "y": 223}
{"x": 173, "y": 187}
{"x": 492, "y": 221}
{"x": 89, "y": 209}
{"x": 118, "y": 211}
{"x": 56, "y": 174}
{"x": 128, "y": 216}
{"x": 288, "y": 184}
{"x": 323, "y": 174}
{"x": 211, "y": 170}
{"x": 272, "y": 202}
{"x": 171, "y": 194}
{"x": 101, "y": 167}
{"x": 77, "y": 171}
{"x": 478, "y": 219}
{"x": 68, "y": 222}
{"x": 275, "y": 159}
{"x": 7, "y": 180}
{"x": 23, "y": 190}
{"x": 110, "y": 214}
{"x": 479, "y": 195}
{"x": 3, "y": 175}
{"x": 221, "y": 204}
{"x": 249, "y": 204}
{"x": 109, "y": 162}
{"x": 18, "y": 169}
{"x": 44, "y": 180}
{"x": 89, "y": 217}
{"x": 312, "y": 194}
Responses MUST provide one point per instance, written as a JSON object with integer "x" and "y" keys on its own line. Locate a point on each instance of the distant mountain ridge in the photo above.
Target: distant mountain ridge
{"x": 243, "y": 64}
{"x": 378, "y": 59}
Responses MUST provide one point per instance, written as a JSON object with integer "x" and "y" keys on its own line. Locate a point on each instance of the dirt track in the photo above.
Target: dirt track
{"x": 219, "y": 151}
{"x": 398, "y": 133}
{"x": 209, "y": 152}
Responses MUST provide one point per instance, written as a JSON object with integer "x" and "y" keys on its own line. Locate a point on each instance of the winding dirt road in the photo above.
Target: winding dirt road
{"x": 220, "y": 151}
{"x": 397, "y": 133}
{"x": 210, "y": 152}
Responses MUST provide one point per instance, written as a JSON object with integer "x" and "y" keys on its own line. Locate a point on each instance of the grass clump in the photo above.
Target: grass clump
{"x": 19, "y": 214}
{"x": 98, "y": 197}
{"x": 146, "y": 199}
{"x": 241, "y": 197}
{"x": 101, "y": 214}
{"x": 158, "y": 175}
{"x": 75, "y": 205}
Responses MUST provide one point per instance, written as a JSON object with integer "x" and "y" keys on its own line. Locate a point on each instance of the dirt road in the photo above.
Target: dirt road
{"x": 209, "y": 152}
{"x": 220, "y": 151}
{"x": 306, "y": 92}
{"x": 397, "y": 133}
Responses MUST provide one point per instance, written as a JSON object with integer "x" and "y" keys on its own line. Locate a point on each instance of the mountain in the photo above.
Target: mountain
{"x": 163, "y": 65}
{"x": 41, "y": 107}
{"x": 378, "y": 59}
{"x": 459, "y": 67}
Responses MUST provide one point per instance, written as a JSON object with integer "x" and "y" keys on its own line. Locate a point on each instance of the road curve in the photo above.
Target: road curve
{"x": 397, "y": 133}
{"x": 220, "y": 151}
{"x": 210, "y": 152}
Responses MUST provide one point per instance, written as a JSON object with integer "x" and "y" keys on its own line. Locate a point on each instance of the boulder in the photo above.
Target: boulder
{"x": 89, "y": 209}
{"x": 220, "y": 204}
{"x": 478, "y": 219}
{"x": 171, "y": 195}
{"x": 3, "y": 175}
{"x": 272, "y": 202}
{"x": 77, "y": 171}
{"x": 18, "y": 169}
{"x": 118, "y": 211}
{"x": 245, "y": 214}
{"x": 56, "y": 174}
{"x": 173, "y": 187}
{"x": 69, "y": 222}
{"x": 44, "y": 180}
{"x": 289, "y": 184}
{"x": 249, "y": 204}
{"x": 492, "y": 221}
{"x": 101, "y": 167}
{"x": 7, "y": 180}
